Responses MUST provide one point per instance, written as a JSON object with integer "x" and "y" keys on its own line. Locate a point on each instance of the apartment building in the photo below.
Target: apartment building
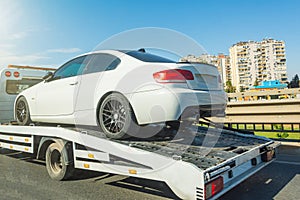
{"x": 221, "y": 61}
{"x": 223, "y": 64}
{"x": 254, "y": 62}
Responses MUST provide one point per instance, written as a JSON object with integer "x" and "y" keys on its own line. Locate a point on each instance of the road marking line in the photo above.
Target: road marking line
{"x": 268, "y": 181}
{"x": 286, "y": 162}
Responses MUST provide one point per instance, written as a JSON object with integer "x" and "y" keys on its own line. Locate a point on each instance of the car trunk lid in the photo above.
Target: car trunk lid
{"x": 206, "y": 77}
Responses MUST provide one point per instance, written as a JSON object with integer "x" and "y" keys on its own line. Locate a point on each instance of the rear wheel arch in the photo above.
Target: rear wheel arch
{"x": 45, "y": 142}
{"x": 103, "y": 98}
{"x": 120, "y": 126}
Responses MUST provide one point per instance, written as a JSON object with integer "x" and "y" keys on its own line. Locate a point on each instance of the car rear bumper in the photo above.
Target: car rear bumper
{"x": 171, "y": 104}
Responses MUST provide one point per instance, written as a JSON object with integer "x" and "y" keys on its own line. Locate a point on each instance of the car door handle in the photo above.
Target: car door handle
{"x": 74, "y": 83}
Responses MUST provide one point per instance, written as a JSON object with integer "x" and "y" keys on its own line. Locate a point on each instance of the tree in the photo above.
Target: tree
{"x": 229, "y": 88}
{"x": 295, "y": 82}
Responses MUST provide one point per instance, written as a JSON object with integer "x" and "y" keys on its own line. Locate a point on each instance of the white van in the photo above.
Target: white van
{"x": 13, "y": 80}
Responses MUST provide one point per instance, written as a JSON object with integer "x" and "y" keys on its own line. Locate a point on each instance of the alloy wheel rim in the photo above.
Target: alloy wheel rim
{"x": 114, "y": 116}
{"x": 21, "y": 111}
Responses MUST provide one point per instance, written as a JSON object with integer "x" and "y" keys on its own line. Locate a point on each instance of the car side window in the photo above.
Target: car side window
{"x": 101, "y": 62}
{"x": 71, "y": 68}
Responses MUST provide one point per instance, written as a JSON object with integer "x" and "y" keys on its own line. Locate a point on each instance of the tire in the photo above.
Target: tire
{"x": 22, "y": 112}
{"x": 56, "y": 157}
{"x": 116, "y": 117}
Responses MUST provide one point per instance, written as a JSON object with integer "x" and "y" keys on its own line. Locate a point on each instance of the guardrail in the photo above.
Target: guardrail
{"x": 265, "y": 95}
{"x": 267, "y": 111}
{"x": 265, "y": 127}
{"x": 280, "y": 115}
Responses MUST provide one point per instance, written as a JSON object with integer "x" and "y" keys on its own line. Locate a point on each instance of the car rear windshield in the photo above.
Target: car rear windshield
{"x": 148, "y": 57}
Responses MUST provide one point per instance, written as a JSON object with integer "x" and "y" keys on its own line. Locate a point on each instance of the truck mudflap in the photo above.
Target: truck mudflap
{"x": 220, "y": 179}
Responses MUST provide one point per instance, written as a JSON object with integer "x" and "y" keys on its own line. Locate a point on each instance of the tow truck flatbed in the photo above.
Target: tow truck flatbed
{"x": 201, "y": 164}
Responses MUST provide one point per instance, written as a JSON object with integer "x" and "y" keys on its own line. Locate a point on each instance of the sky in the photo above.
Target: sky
{"x": 50, "y": 32}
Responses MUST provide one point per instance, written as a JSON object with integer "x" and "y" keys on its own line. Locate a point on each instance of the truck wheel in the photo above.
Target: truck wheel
{"x": 56, "y": 158}
{"x": 116, "y": 117}
{"x": 22, "y": 112}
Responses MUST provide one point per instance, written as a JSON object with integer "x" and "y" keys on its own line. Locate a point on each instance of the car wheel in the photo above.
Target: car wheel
{"x": 116, "y": 118}
{"x": 22, "y": 112}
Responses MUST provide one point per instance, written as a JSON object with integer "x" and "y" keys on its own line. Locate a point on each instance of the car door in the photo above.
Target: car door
{"x": 91, "y": 79}
{"x": 57, "y": 96}
{"x": 92, "y": 84}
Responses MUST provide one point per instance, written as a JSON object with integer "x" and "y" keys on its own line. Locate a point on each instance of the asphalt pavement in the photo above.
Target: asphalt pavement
{"x": 279, "y": 180}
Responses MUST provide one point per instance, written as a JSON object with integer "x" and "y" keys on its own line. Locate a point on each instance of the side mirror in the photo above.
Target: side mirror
{"x": 48, "y": 76}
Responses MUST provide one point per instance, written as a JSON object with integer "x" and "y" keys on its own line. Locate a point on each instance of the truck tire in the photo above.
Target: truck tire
{"x": 56, "y": 162}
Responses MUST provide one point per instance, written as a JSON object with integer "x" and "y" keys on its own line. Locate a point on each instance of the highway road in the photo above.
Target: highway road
{"x": 22, "y": 177}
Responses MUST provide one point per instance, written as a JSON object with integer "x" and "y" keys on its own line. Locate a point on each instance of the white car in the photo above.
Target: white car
{"x": 118, "y": 90}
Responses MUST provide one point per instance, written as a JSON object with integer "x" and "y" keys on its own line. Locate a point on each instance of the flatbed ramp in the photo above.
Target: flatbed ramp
{"x": 226, "y": 145}
{"x": 192, "y": 163}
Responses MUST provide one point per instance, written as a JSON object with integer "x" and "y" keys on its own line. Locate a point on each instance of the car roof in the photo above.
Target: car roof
{"x": 112, "y": 51}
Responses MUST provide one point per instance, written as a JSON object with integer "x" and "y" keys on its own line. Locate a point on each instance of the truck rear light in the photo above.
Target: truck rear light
{"x": 7, "y": 73}
{"x": 16, "y": 74}
{"x": 214, "y": 187}
{"x": 173, "y": 76}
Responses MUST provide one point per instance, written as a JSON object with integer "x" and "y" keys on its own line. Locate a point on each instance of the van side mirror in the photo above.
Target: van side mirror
{"x": 48, "y": 76}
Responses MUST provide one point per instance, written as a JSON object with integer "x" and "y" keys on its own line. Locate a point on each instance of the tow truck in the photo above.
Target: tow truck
{"x": 199, "y": 162}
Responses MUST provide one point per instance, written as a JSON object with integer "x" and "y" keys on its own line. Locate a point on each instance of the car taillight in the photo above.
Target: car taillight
{"x": 16, "y": 74}
{"x": 7, "y": 73}
{"x": 173, "y": 76}
{"x": 214, "y": 187}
